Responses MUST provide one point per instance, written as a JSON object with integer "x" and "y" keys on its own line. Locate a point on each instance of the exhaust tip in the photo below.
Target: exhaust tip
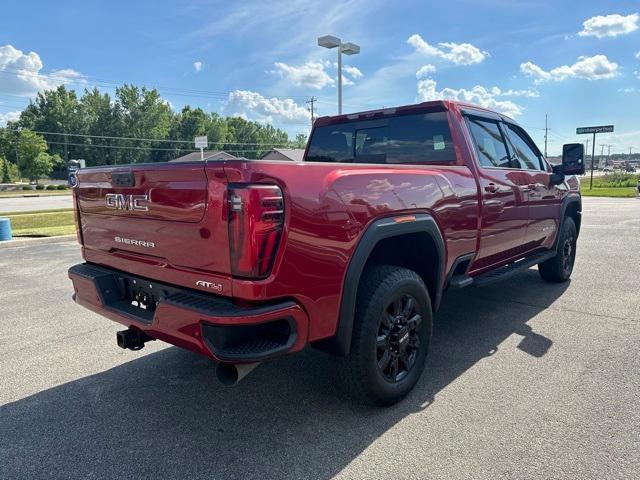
{"x": 227, "y": 374}
{"x": 230, "y": 374}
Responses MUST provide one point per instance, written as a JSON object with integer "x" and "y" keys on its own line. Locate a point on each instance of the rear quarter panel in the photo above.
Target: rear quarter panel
{"x": 328, "y": 207}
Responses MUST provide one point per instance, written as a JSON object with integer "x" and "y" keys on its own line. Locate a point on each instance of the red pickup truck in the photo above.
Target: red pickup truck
{"x": 349, "y": 251}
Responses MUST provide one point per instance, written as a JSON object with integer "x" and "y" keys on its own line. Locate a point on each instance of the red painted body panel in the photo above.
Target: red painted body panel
{"x": 327, "y": 206}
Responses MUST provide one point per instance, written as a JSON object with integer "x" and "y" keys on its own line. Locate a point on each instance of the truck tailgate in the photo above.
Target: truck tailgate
{"x": 165, "y": 221}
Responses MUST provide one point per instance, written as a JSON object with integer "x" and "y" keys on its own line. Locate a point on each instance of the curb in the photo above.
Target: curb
{"x": 25, "y": 242}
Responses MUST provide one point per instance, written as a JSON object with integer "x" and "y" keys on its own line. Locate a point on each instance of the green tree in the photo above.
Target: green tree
{"x": 57, "y": 111}
{"x": 300, "y": 141}
{"x": 103, "y": 118}
{"x": 13, "y": 172}
{"x": 145, "y": 115}
{"x": 4, "y": 171}
{"x": 33, "y": 159}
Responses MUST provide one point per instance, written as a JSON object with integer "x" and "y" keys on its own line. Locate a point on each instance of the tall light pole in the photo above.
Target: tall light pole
{"x": 348, "y": 48}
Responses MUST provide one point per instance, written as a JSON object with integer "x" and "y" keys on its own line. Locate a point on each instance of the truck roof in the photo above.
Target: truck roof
{"x": 410, "y": 108}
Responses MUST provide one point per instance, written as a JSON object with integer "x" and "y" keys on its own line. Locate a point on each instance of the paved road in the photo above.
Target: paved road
{"x": 25, "y": 204}
{"x": 525, "y": 380}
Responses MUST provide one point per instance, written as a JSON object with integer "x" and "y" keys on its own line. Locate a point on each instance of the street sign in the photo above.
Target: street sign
{"x": 594, "y": 130}
{"x": 201, "y": 142}
{"x": 600, "y": 129}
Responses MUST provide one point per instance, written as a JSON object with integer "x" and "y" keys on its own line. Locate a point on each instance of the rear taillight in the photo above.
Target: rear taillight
{"x": 256, "y": 219}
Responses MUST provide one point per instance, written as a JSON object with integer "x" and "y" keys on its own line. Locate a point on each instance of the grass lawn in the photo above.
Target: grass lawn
{"x": 618, "y": 192}
{"x": 612, "y": 185}
{"x": 42, "y": 224}
{"x": 40, "y": 193}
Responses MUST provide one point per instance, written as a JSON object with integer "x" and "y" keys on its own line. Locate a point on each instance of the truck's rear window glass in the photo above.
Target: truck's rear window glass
{"x": 422, "y": 138}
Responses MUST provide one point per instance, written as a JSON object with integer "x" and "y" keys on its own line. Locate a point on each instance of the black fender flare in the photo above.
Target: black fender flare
{"x": 566, "y": 201}
{"x": 379, "y": 230}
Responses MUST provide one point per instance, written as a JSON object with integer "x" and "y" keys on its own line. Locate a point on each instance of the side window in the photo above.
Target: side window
{"x": 490, "y": 146}
{"x": 526, "y": 156}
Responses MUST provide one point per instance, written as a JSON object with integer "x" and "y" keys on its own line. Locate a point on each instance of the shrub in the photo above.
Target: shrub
{"x": 14, "y": 173}
{"x": 27, "y": 187}
{"x": 63, "y": 187}
{"x": 39, "y": 187}
{"x": 620, "y": 179}
{"x": 51, "y": 187}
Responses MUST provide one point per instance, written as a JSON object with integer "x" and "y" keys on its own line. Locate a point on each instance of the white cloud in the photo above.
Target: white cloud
{"x": 598, "y": 67}
{"x": 628, "y": 90}
{"x": 457, "y": 53}
{"x": 310, "y": 74}
{"x": 254, "y": 106}
{"x": 346, "y": 81}
{"x": 425, "y": 70}
{"x": 8, "y": 117}
{"x": 198, "y": 66}
{"x": 609, "y": 25}
{"x": 478, "y": 95}
{"x": 353, "y": 71}
{"x": 638, "y": 55}
{"x": 527, "y": 92}
{"x": 22, "y": 74}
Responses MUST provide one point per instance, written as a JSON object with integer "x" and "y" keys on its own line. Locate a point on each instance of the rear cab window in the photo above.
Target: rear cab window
{"x": 402, "y": 139}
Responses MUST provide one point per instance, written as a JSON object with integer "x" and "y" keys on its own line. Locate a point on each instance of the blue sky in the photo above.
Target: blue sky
{"x": 577, "y": 61}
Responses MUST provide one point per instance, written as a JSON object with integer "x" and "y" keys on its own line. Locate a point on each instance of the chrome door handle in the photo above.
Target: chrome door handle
{"x": 491, "y": 188}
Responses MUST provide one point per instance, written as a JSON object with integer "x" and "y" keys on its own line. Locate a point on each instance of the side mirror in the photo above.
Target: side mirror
{"x": 573, "y": 159}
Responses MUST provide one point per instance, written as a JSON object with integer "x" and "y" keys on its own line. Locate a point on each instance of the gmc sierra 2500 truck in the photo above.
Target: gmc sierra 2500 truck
{"x": 349, "y": 251}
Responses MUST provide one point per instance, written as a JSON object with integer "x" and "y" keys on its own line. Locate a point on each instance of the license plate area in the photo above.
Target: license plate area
{"x": 141, "y": 294}
{"x": 136, "y": 297}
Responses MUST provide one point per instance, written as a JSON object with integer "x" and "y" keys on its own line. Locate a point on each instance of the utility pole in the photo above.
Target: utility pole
{"x": 586, "y": 148}
{"x": 593, "y": 159}
{"x": 546, "y": 131}
{"x": 311, "y": 101}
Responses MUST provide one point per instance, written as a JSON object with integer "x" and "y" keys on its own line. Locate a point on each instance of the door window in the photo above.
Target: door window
{"x": 526, "y": 156}
{"x": 490, "y": 146}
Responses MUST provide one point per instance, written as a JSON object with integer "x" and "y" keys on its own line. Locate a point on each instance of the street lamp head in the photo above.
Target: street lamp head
{"x": 350, "y": 48}
{"x": 329, "y": 41}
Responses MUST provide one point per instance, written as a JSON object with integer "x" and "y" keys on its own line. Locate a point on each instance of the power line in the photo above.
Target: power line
{"x": 107, "y": 137}
{"x": 148, "y": 148}
{"x": 130, "y": 147}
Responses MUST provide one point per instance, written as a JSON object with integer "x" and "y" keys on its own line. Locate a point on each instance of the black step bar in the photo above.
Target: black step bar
{"x": 499, "y": 274}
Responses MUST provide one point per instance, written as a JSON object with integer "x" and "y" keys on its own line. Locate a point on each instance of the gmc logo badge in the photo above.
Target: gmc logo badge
{"x": 118, "y": 201}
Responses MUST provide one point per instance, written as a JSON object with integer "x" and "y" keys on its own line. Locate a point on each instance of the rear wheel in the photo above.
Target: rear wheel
{"x": 391, "y": 334}
{"x": 558, "y": 269}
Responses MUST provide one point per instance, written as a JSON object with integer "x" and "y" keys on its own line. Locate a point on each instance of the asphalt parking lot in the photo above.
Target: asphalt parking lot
{"x": 525, "y": 380}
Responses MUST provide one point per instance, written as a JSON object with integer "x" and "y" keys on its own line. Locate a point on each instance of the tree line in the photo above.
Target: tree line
{"x": 136, "y": 125}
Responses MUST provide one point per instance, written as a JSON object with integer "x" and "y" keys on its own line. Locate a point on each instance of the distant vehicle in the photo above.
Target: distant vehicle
{"x": 630, "y": 169}
{"x": 349, "y": 251}
{"x": 608, "y": 168}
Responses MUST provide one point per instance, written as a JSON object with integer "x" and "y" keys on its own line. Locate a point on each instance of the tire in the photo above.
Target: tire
{"x": 391, "y": 334}
{"x": 558, "y": 269}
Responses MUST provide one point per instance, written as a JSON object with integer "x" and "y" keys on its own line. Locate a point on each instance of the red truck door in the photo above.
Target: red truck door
{"x": 544, "y": 201}
{"x": 503, "y": 189}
